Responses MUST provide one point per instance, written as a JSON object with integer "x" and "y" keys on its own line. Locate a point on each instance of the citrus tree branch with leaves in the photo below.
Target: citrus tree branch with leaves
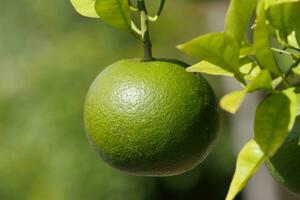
{"x": 118, "y": 13}
{"x": 254, "y": 63}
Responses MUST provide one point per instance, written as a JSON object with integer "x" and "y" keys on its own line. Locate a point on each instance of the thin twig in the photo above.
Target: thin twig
{"x": 145, "y": 31}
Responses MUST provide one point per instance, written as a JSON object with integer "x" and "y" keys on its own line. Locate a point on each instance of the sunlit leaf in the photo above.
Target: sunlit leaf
{"x": 262, "y": 81}
{"x": 209, "y": 68}
{"x": 262, "y": 44}
{"x": 115, "y": 13}
{"x": 290, "y": 93}
{"x": 232, "y": 101}
{"x": 85, "y": 7}
{"x": 216, "y": 48}
{"x": 269, "y": 3}
{"x": 254, "y": 72}
{"x": 249, "y": 160}
{"x": 238, "y": 17}
{"x": 272, "y": 121}
{"x": 298, "y": 105}
{"x": 292, "y": 40}
{"x": 248, "y": 68}
{"x": 296, "y": 69}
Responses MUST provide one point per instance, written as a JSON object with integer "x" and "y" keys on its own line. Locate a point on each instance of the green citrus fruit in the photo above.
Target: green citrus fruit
{"x": 285, "y": 164}
{"x": 151, "y": 118}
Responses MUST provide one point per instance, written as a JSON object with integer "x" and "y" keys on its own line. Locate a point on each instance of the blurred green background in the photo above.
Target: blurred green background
{"x": 49, "y": 55}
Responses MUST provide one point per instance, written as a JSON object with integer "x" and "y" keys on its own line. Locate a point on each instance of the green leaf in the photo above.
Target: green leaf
{"x": 296, "y": 22}
{"x": 254, "y": 72}
{"x": 243, "y": 60}
{"x": 216, "y": 48}
{"x": 298, "y": 105}
{"x": 209, "y": 68}
{"x": 271, "y": 123}
{"x": 85, "y": 7}
{"x": 280, "y": 17}
{"x": 248, "y": 68}
{"x": 232, "y": 101}
{"x": 249, "y": 160}
{"x": 247, "y": 51}
{"x": 296, "y": 69}
{"x": 250, "y": 71}
{"x": 284, "y": 17}
{"x": 291, "y": 94}
{"x": 115, "y": 13}
{"x": 269, "y": 3}
{"x": 262, "y": 44}
{"x": 292, "y": 40}
{"x": 262, "y": 81}
{"x": 238, "y": 17}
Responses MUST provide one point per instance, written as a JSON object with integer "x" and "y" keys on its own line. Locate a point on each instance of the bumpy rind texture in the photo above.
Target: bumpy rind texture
{"x": 285, "y": 164}
{"x": 151, "y": 118}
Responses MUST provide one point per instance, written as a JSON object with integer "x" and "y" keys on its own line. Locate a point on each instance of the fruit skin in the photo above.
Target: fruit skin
{"x": 285, "y": 164}
{"x": 151, "y": 118}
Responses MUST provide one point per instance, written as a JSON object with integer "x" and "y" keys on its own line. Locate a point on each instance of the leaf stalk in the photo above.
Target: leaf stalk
{"x": 145, "y": 31}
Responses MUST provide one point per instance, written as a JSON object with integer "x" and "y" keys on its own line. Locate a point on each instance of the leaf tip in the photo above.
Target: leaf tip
{"x": 228, "y": 109}
{"x": 190, "y": 69}
{"x": 180, "y": 46}
{"x": 232, "y": 101}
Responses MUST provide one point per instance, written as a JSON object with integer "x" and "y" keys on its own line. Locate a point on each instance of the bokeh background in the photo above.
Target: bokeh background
{"x": 49, "y": 55}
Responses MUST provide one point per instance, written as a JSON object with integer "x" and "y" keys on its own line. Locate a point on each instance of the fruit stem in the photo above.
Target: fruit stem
{"x": 145, "y": 31}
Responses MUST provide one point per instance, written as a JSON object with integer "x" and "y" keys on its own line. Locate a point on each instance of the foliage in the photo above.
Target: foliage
{"x": 276, "y": 31}
{"x": 46, "y": 66}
